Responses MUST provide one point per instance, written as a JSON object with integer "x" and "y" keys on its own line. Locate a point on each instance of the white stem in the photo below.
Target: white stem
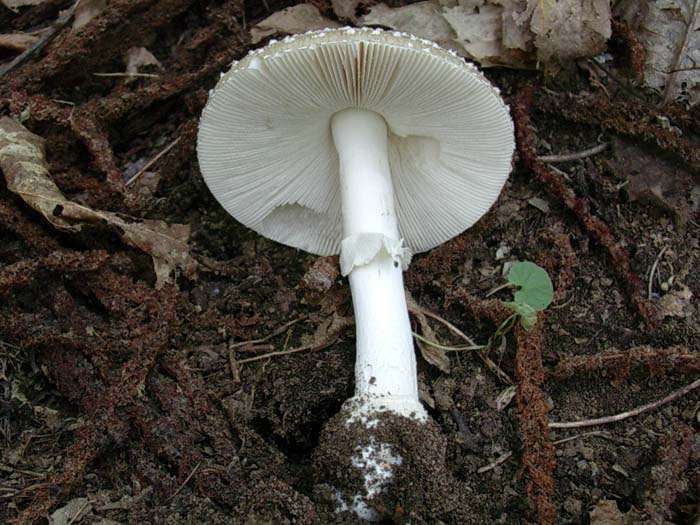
{"x": 385, "y": 366}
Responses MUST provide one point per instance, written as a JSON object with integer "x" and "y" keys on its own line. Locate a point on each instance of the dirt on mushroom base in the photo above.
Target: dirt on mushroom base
{"x": 195, "y": 447}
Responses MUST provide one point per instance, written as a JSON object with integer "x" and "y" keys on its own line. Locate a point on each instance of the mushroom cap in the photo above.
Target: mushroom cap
{"x": 267, "y": 154}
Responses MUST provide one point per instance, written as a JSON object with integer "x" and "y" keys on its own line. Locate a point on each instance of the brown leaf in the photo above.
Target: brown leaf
{"x": 505, "y": 32}
{"x": 656, "y": 181}
{"x": 23, "y": 162}
{"x": 431, "y": 354}
{"x": 138, "y": 59}
{"x": 346, "y": 9}
{"x": 17, "y": 41}
{"x": 676, "y": 303}
{"x": 292, "y": 20}
{"x": 669, "y": 33}
{"x": 85, "y": 11}
{"x": 606, "y": 512}
{"x": 423, "y": 19}
{"x": 14, "y": 5}
{"x": 567, "y": 29}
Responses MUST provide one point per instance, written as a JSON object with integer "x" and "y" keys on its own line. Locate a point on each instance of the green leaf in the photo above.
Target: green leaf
{"x": 526, "y": 314}
{"x": 535, "y": 285}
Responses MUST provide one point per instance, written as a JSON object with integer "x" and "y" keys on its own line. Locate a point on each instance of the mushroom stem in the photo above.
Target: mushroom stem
{"x": 385, "y": 366}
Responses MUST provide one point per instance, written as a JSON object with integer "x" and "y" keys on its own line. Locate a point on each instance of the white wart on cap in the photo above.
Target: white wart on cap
{"x": 266, "y": 149}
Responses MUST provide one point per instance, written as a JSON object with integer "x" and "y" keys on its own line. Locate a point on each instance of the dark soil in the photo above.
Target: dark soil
{"x": 128, "y": 403}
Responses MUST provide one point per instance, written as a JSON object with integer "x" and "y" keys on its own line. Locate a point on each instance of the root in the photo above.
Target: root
{"x": 623, "y": 116}
{"x": 147, "y": 330}
{"x": 538, "y": 451}
{"x": 97, "y": 142}
{"x": 675, "y": 358}
{"x": 14, "y": 220}
{"x": 594, "y": 226}
{"x": 567, "y": 261}
{"x": 22, "y": 273}
{"x": 667, "y": 479}
{"x": 491, "y": 309}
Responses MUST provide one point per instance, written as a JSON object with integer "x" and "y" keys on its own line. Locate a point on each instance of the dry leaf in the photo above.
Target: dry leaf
{"x": 138, "y": 58}
{"x": 431, "y": 354}
{"x": 14, "y": 5}
{"x": 505, "y": 397}
{"x": 669, "y": 32}
{"x": 606, "y": 512}
{"x": 540, "y": 204}
{"x": 346, "y": 9}
{"x": 23, "y": 163}
{"x": 85, "y": 11}
{"x": 71, "y": 512}
{"x": 656, "y": 181}
{"x": 423, "y": 19}
{"x": 567, "y": 29}
{"x": 676, "y": 303}
{"x": 17, "y": 41}
{"x": 322, "y": 274}
{"x": 292, "y": 20}
{"x": 505, "y": 32}
{"x": 478, "y": 30}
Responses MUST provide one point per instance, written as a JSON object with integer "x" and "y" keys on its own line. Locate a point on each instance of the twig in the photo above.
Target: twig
{"x": 152, "y": 161}
{"x": 282, "y": 352}
{"x": 187, "y": 479}
{"x": 277, "y": 332}
{"x": 49, "y": 35}
{"x": 625, "y": 415}
{"x": 500, "y": 459}
{"x": 579, "y": 436}
{"x": 128, "y": 75}
{"x": 676, "y": 358}
{"x": 447, "y": 348}
{"x": 333, "y": 333}
{"x": 653, "y": 270}
{"x": 566, "y": 157}
{"x": 497, "y": 288}
{"x": 507, "y": 455}
{"x": 80, "y": 511}
{"x": 233, "y": 364}
{"x": 671, "y": 78}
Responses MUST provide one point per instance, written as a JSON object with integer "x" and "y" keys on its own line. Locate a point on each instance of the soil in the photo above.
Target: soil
{"x": 127, "y": 400}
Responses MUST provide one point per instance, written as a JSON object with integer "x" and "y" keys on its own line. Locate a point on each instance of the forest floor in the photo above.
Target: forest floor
{"x": 130, "y": 396}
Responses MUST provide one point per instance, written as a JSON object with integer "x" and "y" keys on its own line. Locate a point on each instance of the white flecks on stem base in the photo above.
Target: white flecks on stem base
{"x": 377, "y": 461}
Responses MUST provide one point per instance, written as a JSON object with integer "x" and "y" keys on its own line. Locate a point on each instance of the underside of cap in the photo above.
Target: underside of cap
{"x": 266, "y": 151}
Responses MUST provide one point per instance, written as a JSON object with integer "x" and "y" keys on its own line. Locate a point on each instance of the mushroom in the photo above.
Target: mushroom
{"x": 365, "y": 143}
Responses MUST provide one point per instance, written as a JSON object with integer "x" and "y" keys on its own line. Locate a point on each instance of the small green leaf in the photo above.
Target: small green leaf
{"x": 526, "y": 314}
{"x": 535, "y": 286}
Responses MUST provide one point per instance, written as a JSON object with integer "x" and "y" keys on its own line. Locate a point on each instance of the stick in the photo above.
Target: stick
{"x": 653, "y": 271}
{"x": 566, "y": 157}
{"x": 128, "y": 75}
{"x": 447, "y": 348}
{"x": 277, "y": 332}
{"x": 507, "y": 455}
{"x": 49, "y": 35}
{"x": 187, "y": 479}
{"x": 625, "y": 415}
{"x": 152, "y": 161}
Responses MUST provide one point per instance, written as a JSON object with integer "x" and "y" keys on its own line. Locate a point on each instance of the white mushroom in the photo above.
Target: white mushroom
{"x": 366, "y": 143}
